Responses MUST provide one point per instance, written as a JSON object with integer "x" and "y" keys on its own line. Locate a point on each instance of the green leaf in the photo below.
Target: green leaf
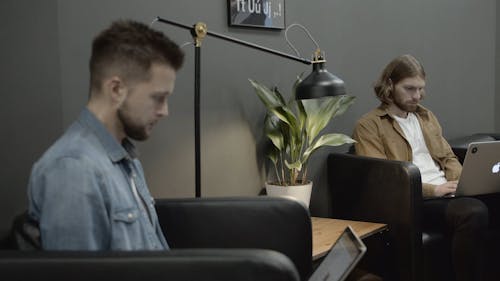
{"x": 269, "y": 98}
{"x": 273, "y": 130}
{"x": 302, "y": 116}
{"x": 277, "y": 140}
{"x": 327, "y": 140}
{"x": 320, "y": 112}
{"x": 292, "y": 130}
{"x": 343, "y": 105}
{"x": 297, "y": 165}
{"x": 274, "y": 102}
{"x": 317, "y": 117}
{"x": 285, "y": 115}
{"x": 273, "y": 155}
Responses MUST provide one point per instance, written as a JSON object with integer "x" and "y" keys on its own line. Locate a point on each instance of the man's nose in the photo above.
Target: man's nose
{"x": 163, "y": 110}
{"x": 418, "y": 94}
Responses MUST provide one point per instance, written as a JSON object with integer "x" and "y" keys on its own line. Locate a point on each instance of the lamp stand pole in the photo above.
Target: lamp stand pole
{"x": 199, "y": 32}
{"x": 197, "y": 157}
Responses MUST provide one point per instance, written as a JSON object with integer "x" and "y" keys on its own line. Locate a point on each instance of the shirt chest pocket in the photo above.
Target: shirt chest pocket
{"x": 127, "y": 216}
{"x": 127, "y": 229}
{"x": 395, "y": 145}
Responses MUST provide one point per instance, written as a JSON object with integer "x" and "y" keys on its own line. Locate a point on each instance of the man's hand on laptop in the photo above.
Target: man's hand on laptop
{"x": 445, "y": 188}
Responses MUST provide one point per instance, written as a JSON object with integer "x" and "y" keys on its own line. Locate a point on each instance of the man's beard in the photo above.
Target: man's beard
{"x": 405, "y": 106}
{"x": 132, "y": 130}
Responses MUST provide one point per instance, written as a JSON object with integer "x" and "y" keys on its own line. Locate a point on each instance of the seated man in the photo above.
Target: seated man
{"x": 402, "y": 129}
{"x": 88, "y": 192}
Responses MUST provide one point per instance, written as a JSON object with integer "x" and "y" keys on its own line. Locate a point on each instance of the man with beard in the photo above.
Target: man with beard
{"x": 402, "y": 129}
{"x": 88, "y": 192}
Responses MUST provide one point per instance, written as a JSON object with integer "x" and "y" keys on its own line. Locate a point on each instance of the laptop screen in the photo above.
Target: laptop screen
{"x": 341, "y": 259}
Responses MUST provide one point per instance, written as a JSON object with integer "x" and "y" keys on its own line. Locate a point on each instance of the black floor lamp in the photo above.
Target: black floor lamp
{"x": 319, "y": 83}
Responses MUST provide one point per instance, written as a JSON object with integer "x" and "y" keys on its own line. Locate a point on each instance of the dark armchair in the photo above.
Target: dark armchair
{"x": 377, "y": 190}
{"x": 258, "y": 238}
{"x": 390, "y": 192}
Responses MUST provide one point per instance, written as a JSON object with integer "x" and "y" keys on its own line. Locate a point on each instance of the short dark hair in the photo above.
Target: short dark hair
{"x": 402, "y": 67}
{"x": 131, "y": 48}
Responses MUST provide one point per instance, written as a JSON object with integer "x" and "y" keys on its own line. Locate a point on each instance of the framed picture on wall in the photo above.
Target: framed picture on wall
{"x": 257, "y": 13}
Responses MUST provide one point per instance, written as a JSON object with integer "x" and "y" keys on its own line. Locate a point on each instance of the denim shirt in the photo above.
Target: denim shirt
{"x": 81, "y": 193}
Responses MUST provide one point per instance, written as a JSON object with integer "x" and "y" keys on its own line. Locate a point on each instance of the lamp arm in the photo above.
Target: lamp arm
{"x": 238, "y": 41}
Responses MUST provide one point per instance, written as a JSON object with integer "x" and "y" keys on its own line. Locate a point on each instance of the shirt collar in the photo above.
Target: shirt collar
{"x": 383, "y": 110}
{"x": 115, "y": 150}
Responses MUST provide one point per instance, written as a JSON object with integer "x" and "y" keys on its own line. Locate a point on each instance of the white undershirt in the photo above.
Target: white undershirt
{"x": 429, "y": 170}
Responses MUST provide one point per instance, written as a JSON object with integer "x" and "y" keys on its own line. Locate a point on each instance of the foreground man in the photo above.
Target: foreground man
{"x": 88, "y": 192}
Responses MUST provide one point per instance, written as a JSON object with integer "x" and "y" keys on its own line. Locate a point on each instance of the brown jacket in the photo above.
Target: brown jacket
{"x": 379, "y": 135}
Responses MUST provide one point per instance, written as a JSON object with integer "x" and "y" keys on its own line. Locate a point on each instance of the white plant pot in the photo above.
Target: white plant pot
{"x": 301, "y": 193}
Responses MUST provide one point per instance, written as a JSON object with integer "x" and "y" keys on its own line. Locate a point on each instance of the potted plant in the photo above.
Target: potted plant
{"x": 294, "y": 129}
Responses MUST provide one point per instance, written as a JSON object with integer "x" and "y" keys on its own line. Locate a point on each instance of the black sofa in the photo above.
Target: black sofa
{"x": 385, "y": 191}
{"x": 254, "y": 238}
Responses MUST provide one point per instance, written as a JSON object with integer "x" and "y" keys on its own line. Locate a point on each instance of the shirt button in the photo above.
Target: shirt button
{"x": 130, "y": 215}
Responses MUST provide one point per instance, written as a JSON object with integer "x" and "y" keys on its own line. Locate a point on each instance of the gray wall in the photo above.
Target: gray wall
{"x": 47, "y": 73}
{"x": 31, "y": 98}
{"x": 497, "y": 70}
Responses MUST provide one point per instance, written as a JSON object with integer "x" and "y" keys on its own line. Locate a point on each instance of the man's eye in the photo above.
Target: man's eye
{"x": 159, "y": 99}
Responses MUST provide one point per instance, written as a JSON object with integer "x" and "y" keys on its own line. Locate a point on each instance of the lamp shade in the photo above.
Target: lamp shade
{"x": 320, "y": 83}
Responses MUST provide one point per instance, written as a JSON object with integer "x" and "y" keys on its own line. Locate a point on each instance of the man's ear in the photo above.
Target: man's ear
{"x": 116, "y": 89}
{"x": 390, "y": 91}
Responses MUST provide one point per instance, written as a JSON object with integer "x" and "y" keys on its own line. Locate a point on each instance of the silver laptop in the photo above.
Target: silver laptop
{"x": 341, "y": 259}
{"x": 481, "y": 169}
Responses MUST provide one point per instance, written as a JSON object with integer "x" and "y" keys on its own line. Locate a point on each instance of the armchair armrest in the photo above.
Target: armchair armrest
{"x": 384, "y": 191}
{"x": 270, "y": 239}
{"x": 251, "y": 222}
{"x": 177, "y": 265}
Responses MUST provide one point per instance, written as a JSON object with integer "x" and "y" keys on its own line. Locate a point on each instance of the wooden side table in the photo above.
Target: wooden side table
{"x": 326, "y": 231}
